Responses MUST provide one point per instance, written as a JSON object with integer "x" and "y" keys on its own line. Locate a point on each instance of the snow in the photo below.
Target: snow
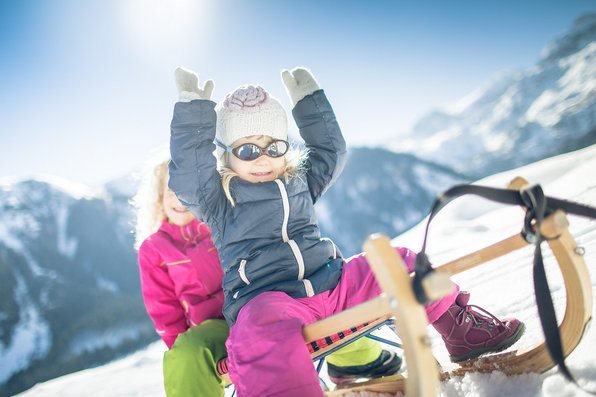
{"x": 495, "y": 86}
{"x": 66, "y": 245}
{"x": 31, "y": 339}
{"x": 71, "y": 188}
{"x": 574, "y": 88}
{"x": 89, "y": 341}
{"x": 503, "y": 286}
{"x": 138, "y": 375}
{"x": 107, "y": 284}
{"x": 428, "y": 179}
{"x": 11, "y": 222}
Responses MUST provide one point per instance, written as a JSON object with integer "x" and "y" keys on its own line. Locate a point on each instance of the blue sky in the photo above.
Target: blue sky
{"x": 87, "y": 87}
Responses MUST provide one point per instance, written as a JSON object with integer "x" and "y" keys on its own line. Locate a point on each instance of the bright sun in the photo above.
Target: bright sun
{"x": 156, "y": 24}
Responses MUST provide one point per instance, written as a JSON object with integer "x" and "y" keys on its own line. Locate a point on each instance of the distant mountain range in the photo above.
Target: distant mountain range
{"x": 69, "y": 284}
{"x": 519, "y": 117}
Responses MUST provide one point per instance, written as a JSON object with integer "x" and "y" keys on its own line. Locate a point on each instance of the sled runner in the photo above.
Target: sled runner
{"x": 402, "y": 298}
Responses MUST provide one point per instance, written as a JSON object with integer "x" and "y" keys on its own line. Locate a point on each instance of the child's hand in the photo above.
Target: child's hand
{"x": 187, "y": 82}
{"x": 299, "y": 83}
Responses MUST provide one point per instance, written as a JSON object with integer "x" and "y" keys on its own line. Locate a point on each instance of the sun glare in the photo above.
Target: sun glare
{"x": 156, "y": 24}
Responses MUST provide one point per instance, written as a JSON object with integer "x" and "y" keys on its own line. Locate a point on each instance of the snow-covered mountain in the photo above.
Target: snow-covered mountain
{"x": 519, "y": 117}
{"x": 69, "y": 290}
{"x": 503, "y": 286}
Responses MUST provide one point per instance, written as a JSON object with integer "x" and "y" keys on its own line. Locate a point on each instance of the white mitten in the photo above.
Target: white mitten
{"x": 187, "y": 82}
{"x": 299, "y": 83}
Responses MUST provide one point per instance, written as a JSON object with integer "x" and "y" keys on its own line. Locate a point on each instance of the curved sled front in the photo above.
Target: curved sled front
{"x": 398, "y": 301}
{"x": 578, "y": 309}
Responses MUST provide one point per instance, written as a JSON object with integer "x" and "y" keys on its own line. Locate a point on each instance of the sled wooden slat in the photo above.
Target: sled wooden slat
{"x": 552, "y": 227}
{"x": 479, "y": 257}
{"x": 578, "y": 289}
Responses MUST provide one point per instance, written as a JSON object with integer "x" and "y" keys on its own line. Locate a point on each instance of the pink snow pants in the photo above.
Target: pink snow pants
{"x": 266, "y": 352}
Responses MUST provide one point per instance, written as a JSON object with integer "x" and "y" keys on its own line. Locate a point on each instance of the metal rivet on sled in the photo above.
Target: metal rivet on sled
{"x": 580, "y": 251}
{"x": 531, "y": 238}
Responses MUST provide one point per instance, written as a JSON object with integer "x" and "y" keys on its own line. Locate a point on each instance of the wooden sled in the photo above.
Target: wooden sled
{"x": 397, "y": 302}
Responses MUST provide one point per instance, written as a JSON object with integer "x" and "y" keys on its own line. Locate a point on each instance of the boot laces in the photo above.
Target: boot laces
{"x": 469, "y": 312}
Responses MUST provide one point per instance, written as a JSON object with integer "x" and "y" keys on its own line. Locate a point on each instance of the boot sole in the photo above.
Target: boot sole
{"x": 380, "y": 372}
{"x": 502, "y": 346}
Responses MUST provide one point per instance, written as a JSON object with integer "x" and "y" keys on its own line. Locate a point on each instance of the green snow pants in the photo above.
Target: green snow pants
{"x": 189, "y": 367}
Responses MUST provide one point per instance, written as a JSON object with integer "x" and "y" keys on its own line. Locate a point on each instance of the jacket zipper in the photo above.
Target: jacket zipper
{"x": 284, "y": 234}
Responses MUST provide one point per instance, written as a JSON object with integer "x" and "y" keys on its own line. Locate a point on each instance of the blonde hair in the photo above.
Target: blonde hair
{"x": 295, "y": 163}
{"x": 148, "y": 201}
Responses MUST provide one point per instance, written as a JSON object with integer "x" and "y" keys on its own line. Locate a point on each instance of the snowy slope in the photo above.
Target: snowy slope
{"x": 504, "y": 287}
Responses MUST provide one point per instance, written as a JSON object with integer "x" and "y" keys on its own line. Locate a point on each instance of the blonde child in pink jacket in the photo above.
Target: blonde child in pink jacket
{"x": 181, "y": 286}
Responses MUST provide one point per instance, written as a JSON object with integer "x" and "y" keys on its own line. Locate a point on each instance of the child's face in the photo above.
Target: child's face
{"x": 262, "y": 169}
{"x": 175, "y": 211}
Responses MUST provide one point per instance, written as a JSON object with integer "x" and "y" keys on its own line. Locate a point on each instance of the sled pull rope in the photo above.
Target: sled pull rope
{"x": 538, "y": 206}
{"x": 504, "y": 196}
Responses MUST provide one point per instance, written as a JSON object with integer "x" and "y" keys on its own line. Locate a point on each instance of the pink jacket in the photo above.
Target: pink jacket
{"x": 181, "y": 278}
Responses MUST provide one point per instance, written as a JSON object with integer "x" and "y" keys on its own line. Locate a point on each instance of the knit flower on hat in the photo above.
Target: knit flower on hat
{"x": 246, "y": 97}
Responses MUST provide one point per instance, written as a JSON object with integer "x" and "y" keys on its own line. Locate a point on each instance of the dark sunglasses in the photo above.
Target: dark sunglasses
{"x": 250, "y": 151}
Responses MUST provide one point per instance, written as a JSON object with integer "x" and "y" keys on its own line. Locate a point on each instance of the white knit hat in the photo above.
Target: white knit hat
{"x": 250, "y": 110}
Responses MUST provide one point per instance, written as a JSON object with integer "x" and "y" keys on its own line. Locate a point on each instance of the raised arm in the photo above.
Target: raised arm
{"x": 319, "y": 129}
{"x": 193, "y": 168}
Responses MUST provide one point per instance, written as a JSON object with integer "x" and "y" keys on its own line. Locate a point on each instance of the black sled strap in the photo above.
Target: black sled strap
{"x": 538, "y": 206}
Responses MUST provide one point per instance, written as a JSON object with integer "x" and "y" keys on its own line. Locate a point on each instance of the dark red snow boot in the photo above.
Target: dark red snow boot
{"x": 470, "y": 331}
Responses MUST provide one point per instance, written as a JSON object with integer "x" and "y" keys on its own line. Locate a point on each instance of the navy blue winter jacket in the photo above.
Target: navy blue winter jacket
{"x": 268, "y": 241}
